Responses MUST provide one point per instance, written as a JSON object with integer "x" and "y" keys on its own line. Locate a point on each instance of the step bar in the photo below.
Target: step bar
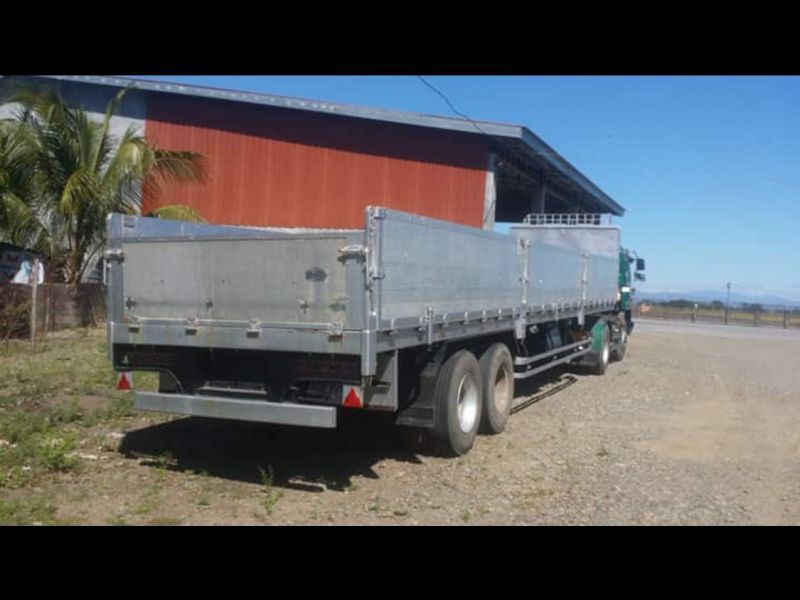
{"x": 281, "y": 413}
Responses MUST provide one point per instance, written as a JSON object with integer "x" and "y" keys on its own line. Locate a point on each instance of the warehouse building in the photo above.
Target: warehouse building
{"x": 280, "y": 161}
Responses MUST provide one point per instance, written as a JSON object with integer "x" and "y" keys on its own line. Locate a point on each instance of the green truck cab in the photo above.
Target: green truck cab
{"x": 627, "y": 276}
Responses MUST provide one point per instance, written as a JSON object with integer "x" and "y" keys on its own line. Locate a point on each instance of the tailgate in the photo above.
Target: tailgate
{"x": 168, "y": 271}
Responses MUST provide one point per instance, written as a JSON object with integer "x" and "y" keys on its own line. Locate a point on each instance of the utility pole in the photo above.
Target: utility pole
{"x": 728, "y": 302}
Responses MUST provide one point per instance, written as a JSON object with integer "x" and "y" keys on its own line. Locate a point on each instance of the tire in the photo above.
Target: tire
{"x": 604, "y": 355}
{"x": 497, "y": 375}
{"x": 621, "y": 347}
{"x": 458, "y": 404}
{"x": 619, "y": 352}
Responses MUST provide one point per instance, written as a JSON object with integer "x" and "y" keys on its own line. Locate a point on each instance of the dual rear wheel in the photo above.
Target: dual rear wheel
{"x": 472, "y": 395}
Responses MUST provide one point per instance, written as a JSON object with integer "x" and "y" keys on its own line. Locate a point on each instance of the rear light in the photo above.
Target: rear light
{"x": 125, "y": 381}
{"x": 351, "y": 396}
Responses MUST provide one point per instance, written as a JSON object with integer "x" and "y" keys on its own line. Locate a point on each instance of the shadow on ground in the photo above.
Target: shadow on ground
{"x": 300, "y": 458}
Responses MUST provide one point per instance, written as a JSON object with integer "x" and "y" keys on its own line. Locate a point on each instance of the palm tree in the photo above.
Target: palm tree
{"x": 61, "y": 173}
{"x": 18, "y": 223}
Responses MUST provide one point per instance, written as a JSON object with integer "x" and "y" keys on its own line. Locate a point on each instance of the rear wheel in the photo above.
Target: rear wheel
{"x": 497, "y": 375}
{"x": 458, "y": 403}
{"x": 604, "y": 354}
{"x": 622, "y": 345}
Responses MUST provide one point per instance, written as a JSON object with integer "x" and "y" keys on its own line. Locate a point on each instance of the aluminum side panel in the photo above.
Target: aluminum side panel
{"x": 555, "y": 274}
{"x": 558, "y": 256}
{"x": 284, "y": 280}
{"x": 450, "y": 268}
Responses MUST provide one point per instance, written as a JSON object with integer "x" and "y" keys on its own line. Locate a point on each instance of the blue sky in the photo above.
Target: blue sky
{"x": 708, "y": 168}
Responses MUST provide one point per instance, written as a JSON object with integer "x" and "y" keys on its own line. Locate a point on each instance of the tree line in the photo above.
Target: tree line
{"x": 718, "y": 305}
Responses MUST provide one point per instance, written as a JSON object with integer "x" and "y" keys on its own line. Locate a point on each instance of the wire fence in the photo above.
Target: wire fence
{"x": 784, "y": 318}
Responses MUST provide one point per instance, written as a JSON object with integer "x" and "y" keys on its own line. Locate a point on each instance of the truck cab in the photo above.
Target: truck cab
{"x": 627, "y": 277}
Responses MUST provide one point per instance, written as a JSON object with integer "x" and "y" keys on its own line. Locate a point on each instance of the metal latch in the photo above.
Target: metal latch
{"x": 335, "y": 329}
{"x": 114, "y": 254}
{"x": 356, "y": 249}
{"x": 190, "y": 328}
{"x": 253, "y": 328}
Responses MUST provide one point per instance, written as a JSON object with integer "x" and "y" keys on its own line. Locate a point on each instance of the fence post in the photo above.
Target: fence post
{"x": 786, "y": 318}
{"x": 726, "y": 314}
{"x": 755, "y": 317}
{"x": 694, "y": 313}
{"x": 34, "y": 295}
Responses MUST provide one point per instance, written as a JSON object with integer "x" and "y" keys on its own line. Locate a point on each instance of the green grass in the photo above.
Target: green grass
{"x": 41, "y": 417}
{"x": 27, "y": 511}
{"x": 119, "y": 520}
{"x": 272, "y": 495}
{"x": 151, "y": 499}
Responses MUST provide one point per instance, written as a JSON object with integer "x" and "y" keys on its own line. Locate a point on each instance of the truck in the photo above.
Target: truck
{"x": 425, "y": 323}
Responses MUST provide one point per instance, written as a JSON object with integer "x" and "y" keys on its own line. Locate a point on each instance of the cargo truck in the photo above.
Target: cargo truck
{"x": 425, "y": 322}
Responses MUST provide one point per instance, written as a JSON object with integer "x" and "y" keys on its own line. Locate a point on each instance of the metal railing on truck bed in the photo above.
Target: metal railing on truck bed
{"x": 403, "y": 280}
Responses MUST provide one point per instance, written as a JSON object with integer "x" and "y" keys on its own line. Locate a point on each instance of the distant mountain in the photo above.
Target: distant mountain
{"x": 766, "y": 300}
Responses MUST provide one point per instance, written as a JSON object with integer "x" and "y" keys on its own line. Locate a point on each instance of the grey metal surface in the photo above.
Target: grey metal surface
{"x": 514, "y": 136}
{"x": 274, "y": 280}
{"x": 563, "y": 257}
{"x": 215, "y": 276}
{"x": 283, "y": 413}
{"x": 452, "y": 269}
{"x": 403, "y": 281}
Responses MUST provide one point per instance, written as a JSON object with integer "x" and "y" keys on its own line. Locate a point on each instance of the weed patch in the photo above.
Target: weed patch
{"x": 272, "y": 495}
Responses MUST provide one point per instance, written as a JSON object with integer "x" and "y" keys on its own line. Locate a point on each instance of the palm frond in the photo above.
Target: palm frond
{"x": 61, "y": 173}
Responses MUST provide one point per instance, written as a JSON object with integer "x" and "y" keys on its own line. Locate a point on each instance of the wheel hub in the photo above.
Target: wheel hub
{"x": 468, "y": 403}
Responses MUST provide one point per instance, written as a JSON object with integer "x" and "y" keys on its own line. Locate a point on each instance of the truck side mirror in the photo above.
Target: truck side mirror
{"x": 640, "y": 264}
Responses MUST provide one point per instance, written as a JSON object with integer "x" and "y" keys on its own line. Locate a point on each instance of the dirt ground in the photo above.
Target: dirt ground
{"x": 700, "y": 424}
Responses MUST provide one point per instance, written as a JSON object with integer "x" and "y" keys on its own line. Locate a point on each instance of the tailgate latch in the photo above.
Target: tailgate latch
{"x": 356, "y": 249}
{"x": 114, "y": 254}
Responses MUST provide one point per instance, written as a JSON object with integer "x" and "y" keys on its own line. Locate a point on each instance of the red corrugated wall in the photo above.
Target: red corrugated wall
{"x": 281, "y": 167}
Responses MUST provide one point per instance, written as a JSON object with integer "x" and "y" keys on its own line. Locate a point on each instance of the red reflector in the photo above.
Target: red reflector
{"x": 125, "y": 381}
{"x": 351, "y": 398}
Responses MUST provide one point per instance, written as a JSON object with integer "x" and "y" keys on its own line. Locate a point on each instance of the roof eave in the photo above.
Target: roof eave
{"x": 541, "y": 148}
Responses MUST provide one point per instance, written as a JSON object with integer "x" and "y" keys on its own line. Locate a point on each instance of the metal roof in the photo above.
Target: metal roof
{"x": 517, "y": 135}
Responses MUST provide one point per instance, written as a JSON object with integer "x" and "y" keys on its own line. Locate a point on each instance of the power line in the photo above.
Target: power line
{"x": 461, "y": 114}
{"x": 474, "y": 124}
{"x": 499, "y": 140}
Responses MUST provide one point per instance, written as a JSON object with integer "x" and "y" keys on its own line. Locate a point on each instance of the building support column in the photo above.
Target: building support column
{"x": 490, "y": 193}
{"x": 538, "y": 204}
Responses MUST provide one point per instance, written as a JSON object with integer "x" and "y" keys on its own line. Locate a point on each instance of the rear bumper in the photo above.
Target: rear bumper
{"x": 284, "y": 413}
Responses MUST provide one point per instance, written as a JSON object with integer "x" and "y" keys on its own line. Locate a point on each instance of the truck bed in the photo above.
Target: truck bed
{"x": 403, "y": 280}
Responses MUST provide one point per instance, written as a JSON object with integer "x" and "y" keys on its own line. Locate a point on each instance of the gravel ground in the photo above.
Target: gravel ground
{"x": 698, "y": 425}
